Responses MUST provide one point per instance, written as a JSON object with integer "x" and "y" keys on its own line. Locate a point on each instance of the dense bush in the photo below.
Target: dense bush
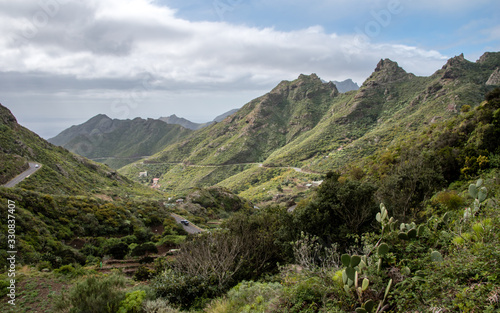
{"x": 158, "y": 306}
{"x": 132, "y": 302}
{"x": 144, "y": 248}
{"x": 248, "y": 297}
{"x": 182, "y": 289}
{"x": 116, "y": 248}
{"x": 339, "y": 208}
{"x": 96, "y": 294}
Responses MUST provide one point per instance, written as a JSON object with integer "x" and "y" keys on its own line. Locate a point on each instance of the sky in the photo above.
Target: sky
{"x": 65, "y": 61}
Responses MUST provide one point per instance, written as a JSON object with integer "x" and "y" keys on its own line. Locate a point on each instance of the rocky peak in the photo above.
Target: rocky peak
{"x": 387, "y": 65}
{"x": 454, "y": 68}
{"x": 303, "y": 85}
{"x": 494, "y": 78}
{"x": 489, "y": 60}
{"x": 486, "y": 57}
{"x": 455, "y": 61}
{"x": 387, "y": 71}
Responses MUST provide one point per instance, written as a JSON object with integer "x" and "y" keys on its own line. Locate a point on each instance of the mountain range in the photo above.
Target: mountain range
{"x": 411, "y": 144}
{"x": 119, "y": 142}
{"x": 307, "y": 123}
{"x": 298, "y": 131}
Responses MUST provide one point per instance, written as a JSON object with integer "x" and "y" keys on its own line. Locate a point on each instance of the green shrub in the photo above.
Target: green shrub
{"x": 448, "y": 201}
{"x": 306, "y": 296}
{"x": 253, "y": 296}
{"x": 180, "y": 289}
{"x": 132, "y": 302}
{"x": 144, "y": 248}
{"x": 96, "y": 294}
{"x": 3, "y": 288}
{"x": 116, "y": 248}
{"x": 66, "y": 270}
{"x": 158, "y": 306}
{"x": 44, "y": 264}
{"x": 143, "y": 273}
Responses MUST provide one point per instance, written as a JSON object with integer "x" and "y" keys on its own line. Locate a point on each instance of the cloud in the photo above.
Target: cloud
{"x": 121, "y": 39}
{"x": 143, "y": 55}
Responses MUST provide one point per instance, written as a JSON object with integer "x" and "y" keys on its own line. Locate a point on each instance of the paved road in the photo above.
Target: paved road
{"x": 191, "y": 228}
{"x": 19, "y": 178}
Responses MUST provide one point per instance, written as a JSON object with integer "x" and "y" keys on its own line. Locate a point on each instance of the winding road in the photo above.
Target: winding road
{"x": 191, "y": 228}
{"x": 19, "y": 178}
{"x": 296, "y": 169}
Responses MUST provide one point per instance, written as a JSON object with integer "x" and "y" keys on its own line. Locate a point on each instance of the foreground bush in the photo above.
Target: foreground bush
{"x": 248, "y": 297}
{"x": 158, "y": 306}
{"x": 93, "y": 295}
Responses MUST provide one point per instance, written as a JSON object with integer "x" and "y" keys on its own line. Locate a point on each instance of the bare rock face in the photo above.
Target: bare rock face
{"x": 494, "y": 78}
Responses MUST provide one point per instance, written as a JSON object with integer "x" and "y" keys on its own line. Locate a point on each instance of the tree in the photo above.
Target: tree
{"x": 144, "y": 248}
{"x": 338, "y": 209}
{"x": 212, "y": 256}
{"x": 116, "y": 248}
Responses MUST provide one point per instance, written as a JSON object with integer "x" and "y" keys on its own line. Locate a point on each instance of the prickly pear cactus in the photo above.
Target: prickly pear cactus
{"x": 436, "y": 257}
{"x": 410, "y": 231}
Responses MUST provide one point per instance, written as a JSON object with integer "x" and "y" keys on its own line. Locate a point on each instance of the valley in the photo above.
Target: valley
{"x": 306, "y": 199}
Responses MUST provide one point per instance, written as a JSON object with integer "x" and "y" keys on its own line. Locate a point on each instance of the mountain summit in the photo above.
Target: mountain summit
{"x": 259, "y": 127}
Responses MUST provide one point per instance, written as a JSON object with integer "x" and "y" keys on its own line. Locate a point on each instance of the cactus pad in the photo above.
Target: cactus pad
{"x": 383, "y": 249}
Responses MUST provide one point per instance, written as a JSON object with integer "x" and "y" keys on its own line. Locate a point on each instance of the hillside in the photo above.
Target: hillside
{"x": 242, "y": 140}
{"x": 118, "y": 142}
{"x": 390, "y": 103}
{"x": 62, "y": 172}
{"x": 339, "y": 250}
{"x": 306, "y": 123}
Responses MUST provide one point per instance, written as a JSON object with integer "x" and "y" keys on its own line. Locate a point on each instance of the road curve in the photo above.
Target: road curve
{"x": 191, "y": 228}
{"x": 19, "y": 178}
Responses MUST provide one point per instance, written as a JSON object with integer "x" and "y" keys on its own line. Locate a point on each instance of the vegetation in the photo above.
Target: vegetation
{"x": 305, "y": 123}
{"x": 408, "y": 220}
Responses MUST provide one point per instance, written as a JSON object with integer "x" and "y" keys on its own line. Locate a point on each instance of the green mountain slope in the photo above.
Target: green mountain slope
{"x": 62, "y": 172}
{"x": 390, "y": 103}
{"x": 118, "y": 142}
{"x": 306, "y": 123}
{"x": 258, "y": 128}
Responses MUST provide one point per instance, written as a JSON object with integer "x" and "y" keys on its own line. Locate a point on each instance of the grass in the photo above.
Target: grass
{"x": 35, "y": 291}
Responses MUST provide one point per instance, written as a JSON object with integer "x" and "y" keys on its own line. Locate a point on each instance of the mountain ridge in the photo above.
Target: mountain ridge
{"x": 174, "y": 119}
{"x": 119, "y": 142}
{"x": 308, "y": 123}
{"x": 346, "y": 85}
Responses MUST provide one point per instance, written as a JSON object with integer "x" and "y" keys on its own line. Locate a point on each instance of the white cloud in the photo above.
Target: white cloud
{"x": 121, "y": 39}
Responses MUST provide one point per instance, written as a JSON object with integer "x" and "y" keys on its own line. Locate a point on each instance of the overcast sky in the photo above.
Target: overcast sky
{"x": 64, "y": 61}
